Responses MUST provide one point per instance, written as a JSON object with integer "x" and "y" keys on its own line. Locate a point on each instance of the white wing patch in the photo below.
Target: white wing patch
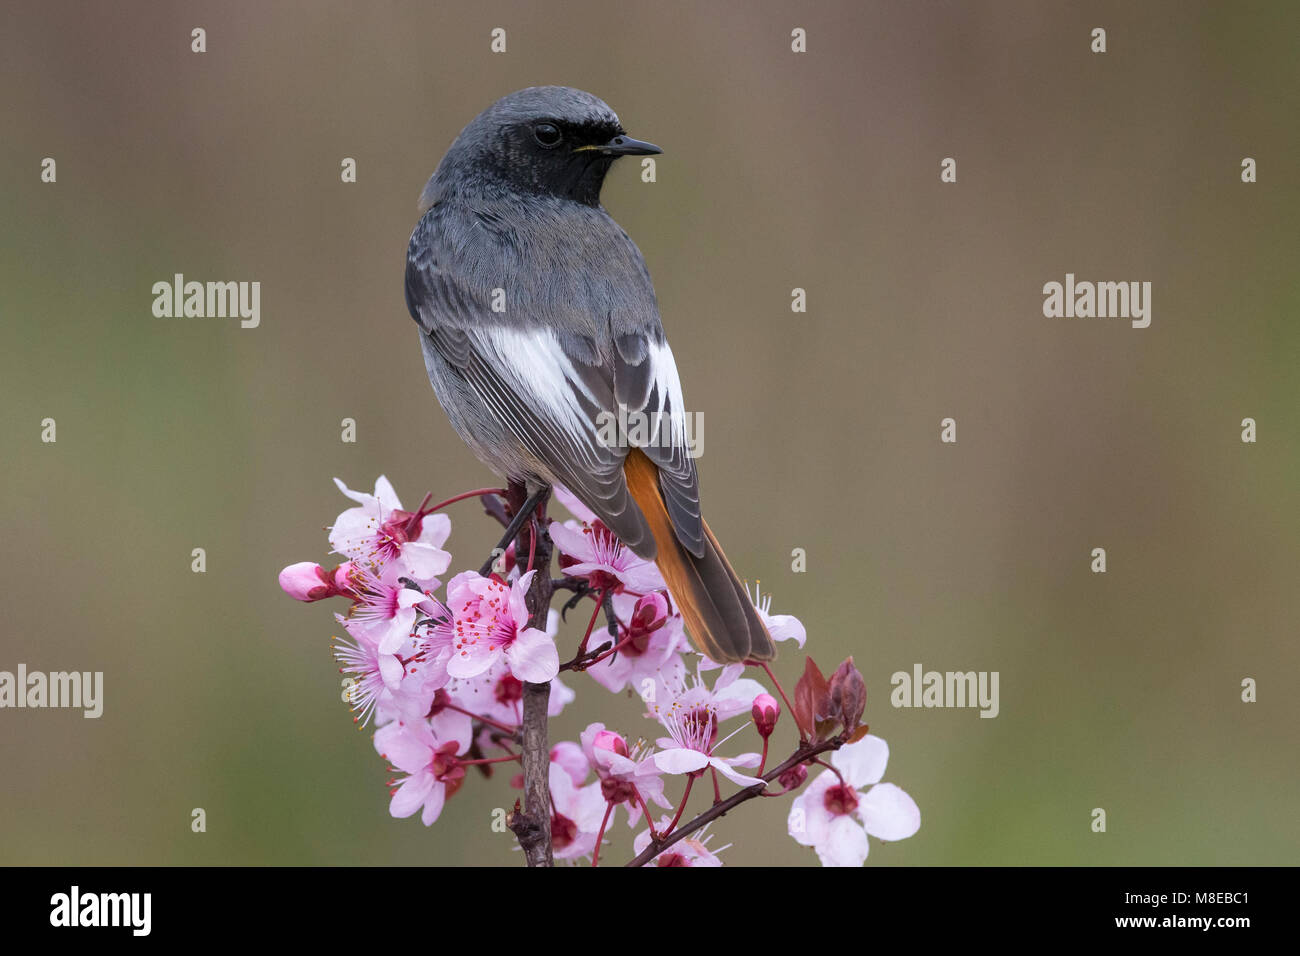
{"x": 543, "y": 376}
{"x": 668, "y": 389}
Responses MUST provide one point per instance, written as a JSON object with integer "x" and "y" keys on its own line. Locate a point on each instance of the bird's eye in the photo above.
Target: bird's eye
{"x": 547, "y": 134}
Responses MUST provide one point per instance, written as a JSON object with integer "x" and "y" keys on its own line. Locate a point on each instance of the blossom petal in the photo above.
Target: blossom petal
{"x": 588, "y": 738}
{"x": 451, "y": 725}
{"x": 435, "y": 529}
{"x": 641, "y": 576}
{"x": 576, "y": 508}
{"x": 561, "y": 694}
{"x": 390, "y": 670}
{"x": 410, "y": 793}
{"x": 360, "y": 497}
{"x": 462, "y": 591}
{"x": 533, "y": 657}
{"x": 723, "y": 766}
{"x": 471, "y": 660}
{"x": 809, "y": 820}
{"x": 796, "y": 822}
{"x": 728, "y": 676}
{"x": 888, "y": 813}
{"x": 569, "y": 757}
{"x": 680, "y": 760}
{"x": 613, "y": 763}
{"x": 737, "y": 697}
{"x": 845, "y": 843}
{"x": 571, "y": 541}
{"x": 425, "y": 561}
{"x": 396, "y": 632}
{"x": 433, "y": 804}
{"x": 518, "y": 602}
{"x": 385, "y": 495}
{"x": 863, "y": 762}
{"x": 353, "y": 534}
{"x": 785, "y": 627}
{"x": 583, "y": 805}
{"x": 402, "y": 745}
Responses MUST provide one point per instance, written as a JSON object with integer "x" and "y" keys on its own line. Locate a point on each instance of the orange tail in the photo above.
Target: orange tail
{"x": 720, "y": 618}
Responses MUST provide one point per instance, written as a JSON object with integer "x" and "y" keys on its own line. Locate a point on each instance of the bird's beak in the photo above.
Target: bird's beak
{"x": 622, "y": 146}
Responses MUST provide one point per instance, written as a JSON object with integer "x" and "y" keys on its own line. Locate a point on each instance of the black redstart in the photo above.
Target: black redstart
{"x": 539, "y": 324}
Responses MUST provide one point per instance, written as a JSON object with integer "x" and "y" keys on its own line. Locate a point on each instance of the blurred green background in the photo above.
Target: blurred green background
{"x": 819, "y": 171}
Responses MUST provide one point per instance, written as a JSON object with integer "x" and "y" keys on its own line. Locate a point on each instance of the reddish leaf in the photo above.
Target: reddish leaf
{"x": 811, "y": 700}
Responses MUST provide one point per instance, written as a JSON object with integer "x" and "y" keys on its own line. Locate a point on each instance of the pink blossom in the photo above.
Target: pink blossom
{"x": 688, "y": 851}
{"x": 372, "y": 676}
{"x": 385, "y": 607}
{"x": 648, "y": 638}
{"x": 627, "y": 776}
{"x": 489, "y": 621}
{"x": 382, "y": 623}
{"x": 835, "y": 818}
{"x": 378, "y": 531}
{"x": 429, "y": 761}
{"x": 444, "y": 681}
{"x": 591, "y": 551}
{"x": 731, "y": 694}
{"x": 690, "y": 712}
{"x": 498, "y": 694}
{"x": 569, "y": 756}
{"x": 782, "y": 627}
{"x": 576, "y": 814}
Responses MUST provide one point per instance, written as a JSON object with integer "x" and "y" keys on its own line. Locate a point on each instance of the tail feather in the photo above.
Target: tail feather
{"x": 719, "y": 616}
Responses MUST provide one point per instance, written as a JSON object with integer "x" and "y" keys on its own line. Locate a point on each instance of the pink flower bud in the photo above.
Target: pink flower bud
{"x": 794, "y": 777}
{"x": 765, "y": 712}
{"x": 650, "y": 613}
{"x": 608, "y": 740}
{"x": 343, "y": 577}
{"x": 306, "y": 581}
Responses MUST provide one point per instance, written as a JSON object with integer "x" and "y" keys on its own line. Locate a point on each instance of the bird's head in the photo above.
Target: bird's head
{"x": 551, "y": 140}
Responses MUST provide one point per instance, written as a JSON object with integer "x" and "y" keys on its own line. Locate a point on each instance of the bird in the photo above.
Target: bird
{"x": 538, "y": 322}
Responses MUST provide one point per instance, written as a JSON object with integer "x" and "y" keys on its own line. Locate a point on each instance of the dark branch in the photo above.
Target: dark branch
{"x": 524, "y": 512}
{"x": 493, "y": 507}
{"x": 804, "y": 753}
{"x": 531, "y": 824}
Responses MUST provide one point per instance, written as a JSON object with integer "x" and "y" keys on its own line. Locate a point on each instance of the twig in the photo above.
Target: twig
{"x": 804, "y": 752}
{"x": 493, "y": 508}
{"x": 531, "y": 824}
{"x": 524, "y": 511}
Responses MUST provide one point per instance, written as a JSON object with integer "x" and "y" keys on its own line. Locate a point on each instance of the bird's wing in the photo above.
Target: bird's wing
{"x": 645, "y": 379}
{"x": 557, "y": 384}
